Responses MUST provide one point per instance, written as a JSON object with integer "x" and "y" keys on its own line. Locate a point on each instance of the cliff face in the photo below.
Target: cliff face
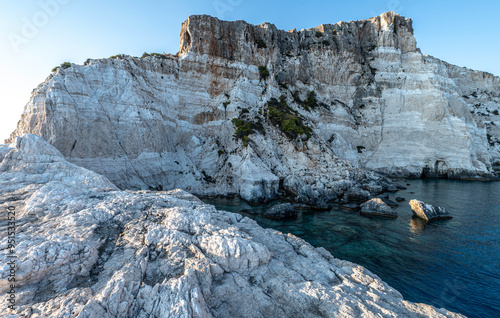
{"x": 378, "y": 103}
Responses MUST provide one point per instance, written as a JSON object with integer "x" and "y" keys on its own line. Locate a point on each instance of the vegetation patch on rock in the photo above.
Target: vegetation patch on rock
{"x": 264, "y": 72}
{"x": 63, "y": 65}
{"x": 287, "y": 120}
{"x": 261, "y": 44}
{"x": 246, "y": 126}
{"x": 310, "y": 102}
{"x": 163, "y": 56}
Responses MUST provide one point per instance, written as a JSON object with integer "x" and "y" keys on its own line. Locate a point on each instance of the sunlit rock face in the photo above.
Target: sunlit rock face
{"x": 165, "y": 122}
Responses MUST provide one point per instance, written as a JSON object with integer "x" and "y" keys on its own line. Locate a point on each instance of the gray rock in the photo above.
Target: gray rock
{"x": 400, "y": 199}
{"x": 389, "y": 202}
{"x": 378, "y": 207}
{"x": 374, "y": 189}
{"x": 356, "y": 194}
{"x": 87, "y": 249}
{"x": 428, "y": 212}
{"x": 293, "y": 185}
{"x": 280, "y": 211}
{"x": 393, "y": 188}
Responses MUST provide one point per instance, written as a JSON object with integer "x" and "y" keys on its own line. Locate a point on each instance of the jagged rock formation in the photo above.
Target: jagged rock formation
{"x": 86, "y": 249}
{"x": 164, "y": 122}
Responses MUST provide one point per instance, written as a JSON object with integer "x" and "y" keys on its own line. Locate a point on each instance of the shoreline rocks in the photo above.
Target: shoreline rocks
{"x": 428, "y": 212}
{"x": 378, "y": 207}
{"x": 87, "y": 249}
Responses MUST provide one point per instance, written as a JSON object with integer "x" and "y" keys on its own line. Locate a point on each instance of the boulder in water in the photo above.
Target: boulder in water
{"x": 428, "y": 212}
{"x": 378, "y": 207}
{"x": 281, "y": 211}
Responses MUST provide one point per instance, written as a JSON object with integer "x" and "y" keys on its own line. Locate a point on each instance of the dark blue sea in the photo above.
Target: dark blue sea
{"x": 453, "y": 264}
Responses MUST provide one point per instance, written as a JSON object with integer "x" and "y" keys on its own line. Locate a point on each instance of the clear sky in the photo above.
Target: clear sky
{"x": 36, "y": 35}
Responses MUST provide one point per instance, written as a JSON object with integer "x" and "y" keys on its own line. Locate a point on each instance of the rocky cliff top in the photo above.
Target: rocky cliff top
{"x": 239, "y": 40}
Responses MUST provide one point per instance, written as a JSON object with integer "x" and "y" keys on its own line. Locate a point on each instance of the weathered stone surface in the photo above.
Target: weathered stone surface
{"x": 280, "y": 211}
{"x": 427, "y": 211}
{"x": 378, "y": 207}
{"x": 165, "y": 122}
{"x": 34, "y": 162}
{"x": 389, "y": 202}
{"x": 86, "y": 249}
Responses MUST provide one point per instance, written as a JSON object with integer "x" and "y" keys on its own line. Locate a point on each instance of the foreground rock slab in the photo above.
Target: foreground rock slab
{"x": 378, "y": 207}
{"x": 86, "y": 249}
{"x": 428, "y": 212}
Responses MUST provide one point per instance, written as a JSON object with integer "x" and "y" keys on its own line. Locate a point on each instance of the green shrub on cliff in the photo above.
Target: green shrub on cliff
{"x": 264, "y": 72}
{"x": 311, "y": 100}
{"x": 163, "y": 56}
{"x": 287, "y": 119}
{"x": 63, "y": 65}
{"x": 118, "y": 56}
{"x": 261, "y": 44}
{"x": 144, "y": 55}
{"x": 245, "y": 127}
{"x": 296, "y": 97}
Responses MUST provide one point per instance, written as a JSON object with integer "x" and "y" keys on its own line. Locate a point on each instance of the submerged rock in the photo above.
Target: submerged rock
{"x": 378, "y": 207}
{"x": 86, "y": 249}
{"x": 400, "y": 199}
{"x": 280, "y": 211}
{"x": 427, "y": 211}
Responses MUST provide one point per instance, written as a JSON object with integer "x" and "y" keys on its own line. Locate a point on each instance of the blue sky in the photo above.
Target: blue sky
{"x": 36, "y": 35}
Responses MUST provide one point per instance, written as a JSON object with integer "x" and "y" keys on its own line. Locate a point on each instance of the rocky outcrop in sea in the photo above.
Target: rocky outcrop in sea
{"x": 428, "y": 212}
{"x": 260, "y": 112}
{"x": 87, "y": 249}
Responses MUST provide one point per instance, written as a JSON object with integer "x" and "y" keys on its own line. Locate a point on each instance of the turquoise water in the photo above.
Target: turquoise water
{"x": 453, "y": 264}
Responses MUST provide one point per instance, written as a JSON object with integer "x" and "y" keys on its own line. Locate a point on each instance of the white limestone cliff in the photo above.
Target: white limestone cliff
{"x": 164, "y": 122}
{"x": 86, "y": 249}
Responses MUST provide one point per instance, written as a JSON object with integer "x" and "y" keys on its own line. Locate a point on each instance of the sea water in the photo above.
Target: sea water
{"x": 453, "y": 264}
